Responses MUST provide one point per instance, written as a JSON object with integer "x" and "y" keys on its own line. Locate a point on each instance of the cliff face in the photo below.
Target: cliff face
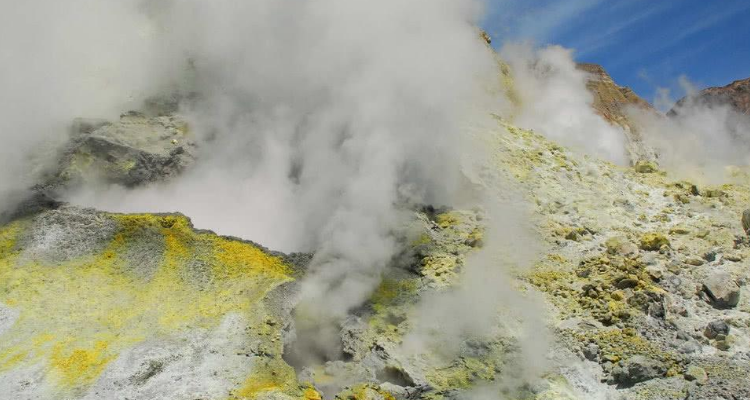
{"x": 736, "y": 95}
{"x": 610, "y": 99}
{"x": 612, "y": 102}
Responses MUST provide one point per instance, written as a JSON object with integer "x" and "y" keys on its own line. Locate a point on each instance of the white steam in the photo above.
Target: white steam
{"x": 318, "y": 121}
{"x": 487, "y": 302}
{"x": 59, "y": 61}
{"x": 696, "y": 140}
{"x": 554, "y": 100}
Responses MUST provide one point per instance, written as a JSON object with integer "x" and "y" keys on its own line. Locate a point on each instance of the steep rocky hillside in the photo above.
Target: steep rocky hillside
{"x": 642, "y": 279}
{"x": 612, "y": 102}
{"x": 736, "y": 95}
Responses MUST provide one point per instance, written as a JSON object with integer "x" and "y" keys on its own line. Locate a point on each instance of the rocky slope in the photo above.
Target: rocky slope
{"x": 736, "y": 95}
{"x": 646, "y": 273}
{"x": 642, "y": 278}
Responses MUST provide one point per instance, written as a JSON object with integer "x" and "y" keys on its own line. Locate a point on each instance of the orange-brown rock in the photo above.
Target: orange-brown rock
{"x": 612, "y": 102}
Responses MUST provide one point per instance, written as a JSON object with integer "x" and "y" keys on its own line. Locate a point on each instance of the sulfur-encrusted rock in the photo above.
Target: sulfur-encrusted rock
{"x": 620, "y": 245}
{"x": 697, "y": 374}
{"x": 653, "y": 241}
{"x": 646, "y": 167}
{"x": 722, "y": 290}
{"x": 96, "y": 305}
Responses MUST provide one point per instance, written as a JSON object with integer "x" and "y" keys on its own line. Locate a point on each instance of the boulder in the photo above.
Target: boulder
{"x": 133, "y": 151}
{"x": 646, "y": 167}
{"x": 722, "y": 290}
{"x": 697, "y": 374}
{"x": 637, "y": 369}
{"x": 620, "y": 245}
{"x": 716, "y": 328}
{"x": 653, "y": 241}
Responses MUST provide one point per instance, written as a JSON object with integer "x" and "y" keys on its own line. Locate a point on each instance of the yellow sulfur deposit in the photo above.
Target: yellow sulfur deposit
{"x": 78, "y": 316}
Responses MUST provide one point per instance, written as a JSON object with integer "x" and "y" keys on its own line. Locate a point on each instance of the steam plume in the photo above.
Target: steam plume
{"x": 318, "y": 121}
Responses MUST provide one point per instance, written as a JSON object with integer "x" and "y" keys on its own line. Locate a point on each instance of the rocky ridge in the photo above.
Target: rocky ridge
{"x": 736, "y": 95}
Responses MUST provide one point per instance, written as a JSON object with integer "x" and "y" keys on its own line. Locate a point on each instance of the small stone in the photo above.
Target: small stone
{"x": 716, "y": 328}
{"x": 734, "y": 257}
{"x": 591, "y": 352}
{"x": 690, "y": 347}
{"x": 679, "y": 230}
{"x": 611, "y": 358}
{"x": 702, "y": 234}
{"x": 638, "y": 369}
{"x": 722, "y": 345}
{"x": 697, "y": 374}
{"x": 694, "y": 261}
{"x": 620, "y": 245}
{"x": 655, "y": 272}
{"x": 626, "y": 283}
{"x": 653, "y": 241}
{"x": 722, "y": 290}
{"x": 714, "y": 193}
{"x": 746, "y": 221}
{"x": 710, "y": 256}
{"x": 646, "y": 167}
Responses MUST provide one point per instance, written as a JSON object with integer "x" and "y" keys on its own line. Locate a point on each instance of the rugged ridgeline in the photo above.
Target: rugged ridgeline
{"x": 736, "y": 95}
{"x": 612, "y": 102}
{"x": 643, "y": 278}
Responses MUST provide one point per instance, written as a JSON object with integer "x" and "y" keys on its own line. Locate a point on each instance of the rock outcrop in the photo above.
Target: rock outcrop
{"x": 612, "y": 102}
{"x": 96, "y": 305}
{"x": 133, "y": 151}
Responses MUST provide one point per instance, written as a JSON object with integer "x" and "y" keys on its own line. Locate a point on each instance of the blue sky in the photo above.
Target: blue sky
{"x": 643, "y": 44}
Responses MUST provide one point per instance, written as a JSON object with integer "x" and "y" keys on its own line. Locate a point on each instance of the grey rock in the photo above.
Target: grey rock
{"x": 637, "y": 369}
{"x": 716, "y": 328}
{"x": 352, "y": 330}
{"x": 134, "y": 151}
{"x": 29, "y": 203}
{"x": 690, "y": 347}
{"x": 66, "y": 233}
{"x": 722, "y": 290}
{"x": 591, "y": 352}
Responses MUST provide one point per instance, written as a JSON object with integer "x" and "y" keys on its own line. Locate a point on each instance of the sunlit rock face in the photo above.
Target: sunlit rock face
{"x": 613, "y": 103}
